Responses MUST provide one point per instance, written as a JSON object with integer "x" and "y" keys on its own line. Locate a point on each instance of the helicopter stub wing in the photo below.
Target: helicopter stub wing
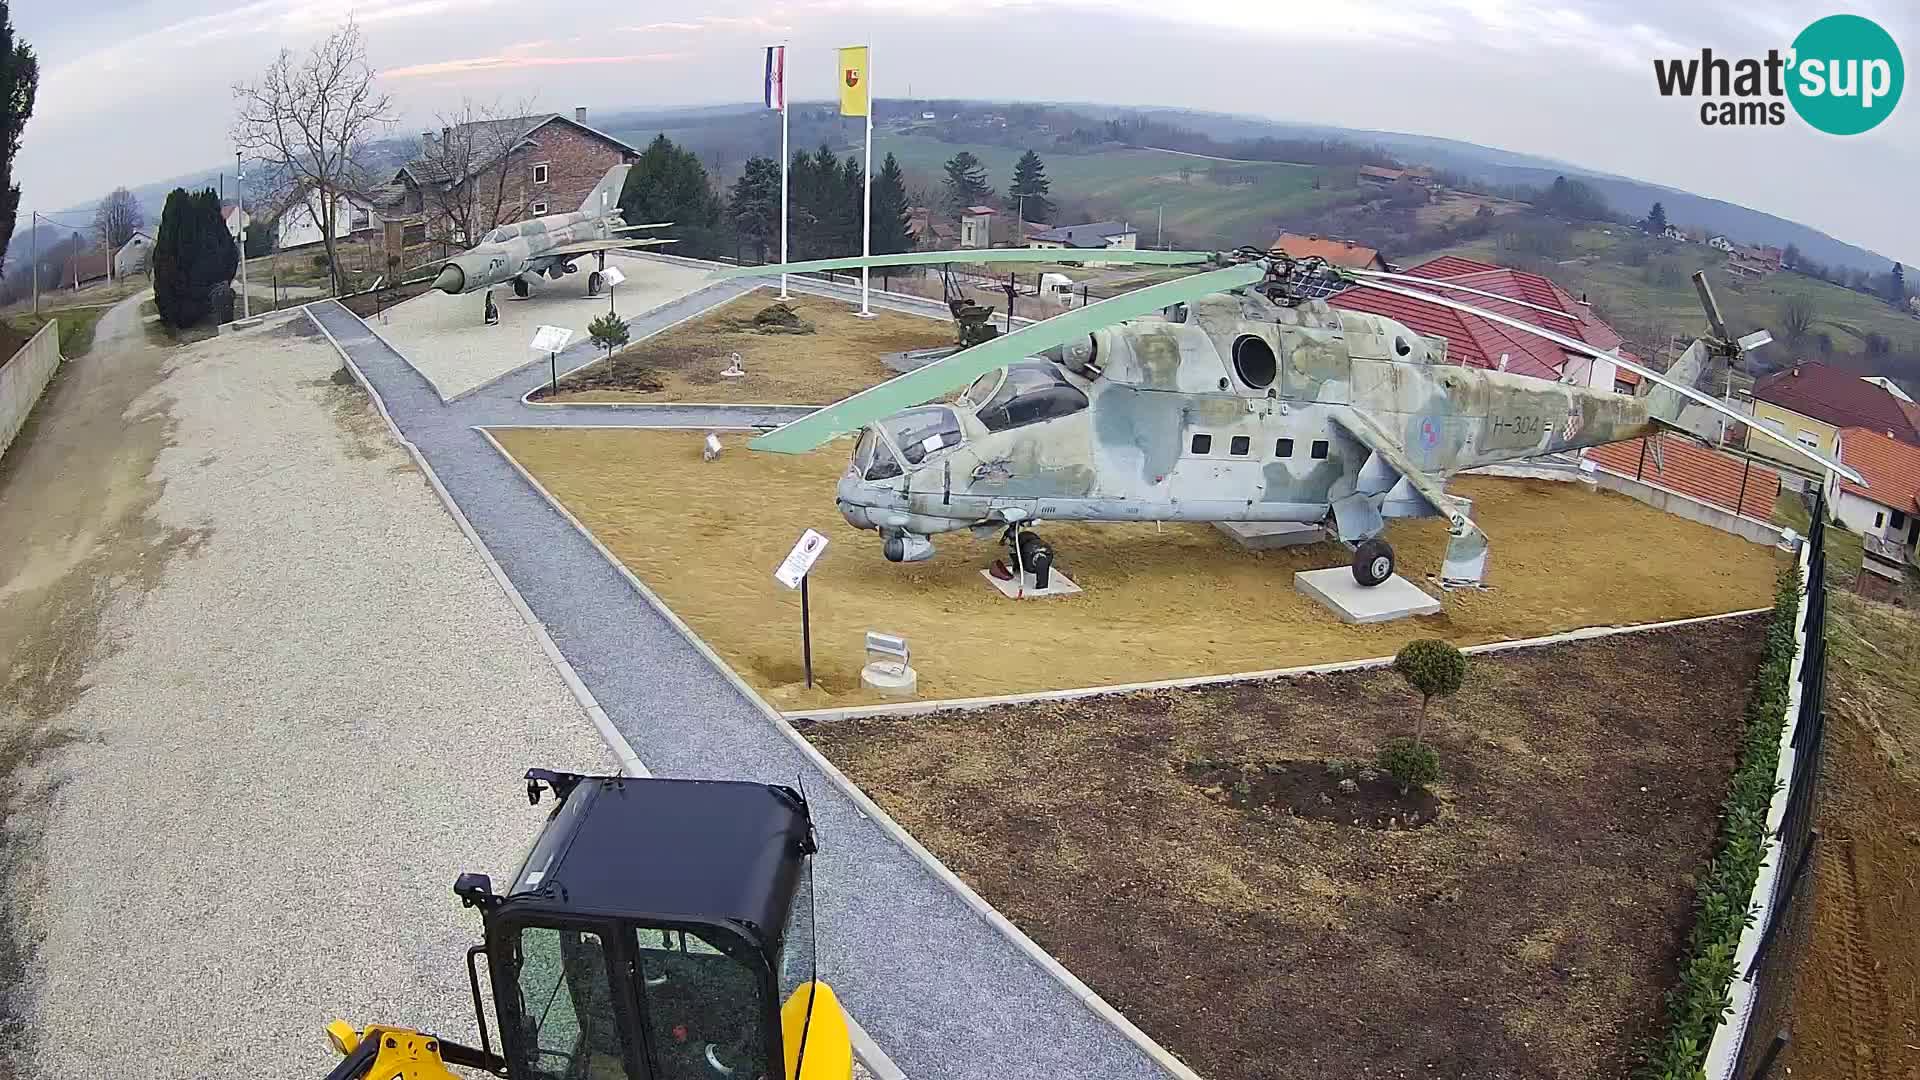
{"x": 1680, "y": 390}
{"x": 963, "y": 367}
{"x": 973, "y": 255}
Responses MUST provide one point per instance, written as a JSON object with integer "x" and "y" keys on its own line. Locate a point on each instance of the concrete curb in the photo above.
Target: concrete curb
{"x": 918, "y": 708}
{"x": 630, "y": 763}
{"x": 1094, "y": 1002}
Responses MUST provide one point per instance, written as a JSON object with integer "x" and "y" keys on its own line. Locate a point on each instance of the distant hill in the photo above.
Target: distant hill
{"x": 1504, "y": 168}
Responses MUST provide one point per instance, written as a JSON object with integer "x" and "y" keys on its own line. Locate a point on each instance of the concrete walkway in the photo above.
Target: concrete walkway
{"x": 942, "y": 991}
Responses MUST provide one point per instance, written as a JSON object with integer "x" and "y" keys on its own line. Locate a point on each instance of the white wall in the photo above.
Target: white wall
{"x": 24, "y": 377}
{"x": 300, "y": 225}
{"x": 1857, "y": 515}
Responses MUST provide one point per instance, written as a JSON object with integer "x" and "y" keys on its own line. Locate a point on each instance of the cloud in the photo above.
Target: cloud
{"x": 480, "y": 65}
{"x": 735, "y": 23}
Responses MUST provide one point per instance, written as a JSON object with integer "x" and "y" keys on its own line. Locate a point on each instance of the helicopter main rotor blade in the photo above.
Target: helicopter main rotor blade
{"x": 963, "y": 367}
{"x": 1581, "y": 347}
{"x": 1429, "y": 283}
{"x": 971, "y": 255}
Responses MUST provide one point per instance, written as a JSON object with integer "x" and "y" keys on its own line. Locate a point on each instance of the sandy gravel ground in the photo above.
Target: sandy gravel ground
{"x": 301, "y": 709}
{"x": 1159, "y": 603}
{"x": 444, "y": 338}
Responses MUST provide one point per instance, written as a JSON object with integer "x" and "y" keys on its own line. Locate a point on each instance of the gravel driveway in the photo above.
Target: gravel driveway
{"x": 288, "y": 743}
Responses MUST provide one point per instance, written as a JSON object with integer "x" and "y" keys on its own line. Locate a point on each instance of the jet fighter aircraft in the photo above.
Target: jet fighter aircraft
{"x": 548, "y": 244}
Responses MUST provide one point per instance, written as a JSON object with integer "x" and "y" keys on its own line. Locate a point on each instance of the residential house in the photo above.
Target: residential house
{"x": 300, "y": 221}
{"x": 1885, "y": 511}
{"x": 1478, "y": 342}
{"x": 1673, "y": 233}
{"x": 1811, "y": 402}
{"x": 1092, "y": 236}
{"x": 1344, "y": 253}
{"x": 976, "y": 227}
{"x": 1383, "y": 177}
{"x": 1721, "y": 243}
{"x": 927, "y": 233}
{"x": 85, "y": 268}
{"x": 133, "y": 256}
{"x": 235, "y": 219}
{"x": 526, "y": 166}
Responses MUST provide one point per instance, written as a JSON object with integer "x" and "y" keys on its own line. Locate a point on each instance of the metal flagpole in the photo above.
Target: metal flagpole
{"x": 239, "y": 179}
{"x": 866, "y": 225}
{"x": 786, "y": 162}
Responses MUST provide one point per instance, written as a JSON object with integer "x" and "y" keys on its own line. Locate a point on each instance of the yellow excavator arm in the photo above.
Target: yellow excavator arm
{"x": 393, "y": 1053}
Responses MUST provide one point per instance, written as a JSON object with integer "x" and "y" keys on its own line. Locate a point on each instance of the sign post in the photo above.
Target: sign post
{"x": 612, "y": 276}
{"x": 793, "y": 573}
{"x": 550, "y": 340}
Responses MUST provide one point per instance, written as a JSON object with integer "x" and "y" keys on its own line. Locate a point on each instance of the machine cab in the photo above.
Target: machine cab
{"x": 661, "y": 930}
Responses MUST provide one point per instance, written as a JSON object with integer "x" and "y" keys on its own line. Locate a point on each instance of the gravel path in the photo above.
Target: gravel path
{"x": 941, "y": 991}
{"x": 289, "y": 746}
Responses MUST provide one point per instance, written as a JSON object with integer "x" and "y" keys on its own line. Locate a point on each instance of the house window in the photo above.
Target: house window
{"x": 1283, "y": 448}
{"x": 1203, "y": 444}
{"x": 1319, "y": 449}
{"x": 540, "y": 173}
{"x": 1899, "y": 520}
{"x": 1807, "y": 439}
{"x": 537, "y": 209}
{"x": 1241, "y": 444}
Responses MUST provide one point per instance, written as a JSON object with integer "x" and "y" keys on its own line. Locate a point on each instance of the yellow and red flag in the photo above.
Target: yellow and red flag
{"x": 854, "y": 93}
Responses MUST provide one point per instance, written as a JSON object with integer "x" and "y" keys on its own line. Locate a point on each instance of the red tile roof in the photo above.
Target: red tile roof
{"x": 1479, "y": 342}
{"x": 1840, "y": 398}
{"x": 1338, "y": 252}
{"x": 1696, "y": 471}
{"x": 1891, "y": 467}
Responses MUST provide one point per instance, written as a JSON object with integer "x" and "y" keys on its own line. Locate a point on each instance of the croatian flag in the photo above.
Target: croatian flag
{"x": 776, "y": 88}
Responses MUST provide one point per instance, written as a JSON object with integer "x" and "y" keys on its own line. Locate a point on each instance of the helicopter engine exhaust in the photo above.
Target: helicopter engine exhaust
{"x": 907, "y": 547}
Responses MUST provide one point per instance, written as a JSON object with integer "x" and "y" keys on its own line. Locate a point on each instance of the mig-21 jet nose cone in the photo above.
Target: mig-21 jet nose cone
{"x": 452, "y": 279}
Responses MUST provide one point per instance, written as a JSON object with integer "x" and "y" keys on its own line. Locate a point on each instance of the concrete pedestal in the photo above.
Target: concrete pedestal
{"x": 1394, "y": 598}
{"x": 893, "y": 680}
{"x": 1021, "y": 588}
{"x": 1269, "y": 535}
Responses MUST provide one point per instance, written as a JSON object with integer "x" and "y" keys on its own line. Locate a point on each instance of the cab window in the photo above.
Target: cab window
{"x": 569, "y": 1025}
{"x": 1029, "y": 394}
{"x": 702, "y": 1004}
{"x": 498, "y": 236}
{"x": 872, "y": 460}
{"x": 923, "y": 431}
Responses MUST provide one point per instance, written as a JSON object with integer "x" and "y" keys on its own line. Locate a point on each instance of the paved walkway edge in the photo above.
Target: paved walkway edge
{"x": 622, "y": 750}
{"x": 918, "y": 708}
{"x": 1093, "y": 1001}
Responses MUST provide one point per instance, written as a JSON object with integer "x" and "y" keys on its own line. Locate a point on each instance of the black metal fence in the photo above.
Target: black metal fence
{"x": 1771, "y": 971}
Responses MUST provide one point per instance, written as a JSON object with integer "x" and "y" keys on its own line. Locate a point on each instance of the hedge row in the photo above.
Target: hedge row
{"x": 1722, "y": 902}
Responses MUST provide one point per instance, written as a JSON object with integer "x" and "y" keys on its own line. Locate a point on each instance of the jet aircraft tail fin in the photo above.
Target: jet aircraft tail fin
{"x": 604, "y": 199}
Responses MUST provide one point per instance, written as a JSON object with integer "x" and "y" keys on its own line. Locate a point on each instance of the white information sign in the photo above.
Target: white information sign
{"x": 801, "y": 559}
{"x": 612, "y": 275}
{"x": 550, "y": 339}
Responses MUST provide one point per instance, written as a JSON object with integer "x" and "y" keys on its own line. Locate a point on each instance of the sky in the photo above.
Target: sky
{"x": 133, "y": 91}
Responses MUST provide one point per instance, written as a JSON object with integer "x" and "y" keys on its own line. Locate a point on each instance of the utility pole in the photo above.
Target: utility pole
{"x": 1160, "y": 230}
{"x": 33, "y": 227}
{"x": 240, "y": 193}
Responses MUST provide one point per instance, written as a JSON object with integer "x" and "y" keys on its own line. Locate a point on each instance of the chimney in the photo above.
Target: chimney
{"x": 426, "y": 140}
{"x": 446, "y": 135}
{"x": 1349, "y": 243}
{"x": 579, "y": 114}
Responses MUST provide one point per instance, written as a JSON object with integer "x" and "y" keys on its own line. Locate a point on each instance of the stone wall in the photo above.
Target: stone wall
{"x": 24, "y": 377}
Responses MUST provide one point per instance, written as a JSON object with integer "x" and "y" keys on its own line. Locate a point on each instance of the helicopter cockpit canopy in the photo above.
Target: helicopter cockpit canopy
{"x": 1024, "y": 393}
{"x": 911, "y": 436}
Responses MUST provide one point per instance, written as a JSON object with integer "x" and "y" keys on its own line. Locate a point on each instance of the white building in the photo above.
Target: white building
{"x": 976, "y": 227}
{"x": 1886, "y": 512}
{"x": 1721, "y": 243}
{"x": 133, "y": 256}
{"x": 300, "y": 223}
{"x": 1673, "y": 233}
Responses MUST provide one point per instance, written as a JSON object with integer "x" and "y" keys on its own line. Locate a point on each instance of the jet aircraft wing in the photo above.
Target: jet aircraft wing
{"x": 588, "y": 247}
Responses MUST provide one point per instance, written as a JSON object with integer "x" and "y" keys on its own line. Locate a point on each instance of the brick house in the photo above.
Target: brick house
{"x": 508, "y": 170}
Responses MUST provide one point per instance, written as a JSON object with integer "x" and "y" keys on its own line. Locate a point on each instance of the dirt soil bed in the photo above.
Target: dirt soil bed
{"x": 1159, "y": 603}
{"x": 839, "y": 357}
{"x": 1528, "y": 931}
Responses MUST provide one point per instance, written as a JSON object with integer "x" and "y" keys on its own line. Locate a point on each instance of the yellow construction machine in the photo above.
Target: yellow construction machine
{"x": 658, "y": 930}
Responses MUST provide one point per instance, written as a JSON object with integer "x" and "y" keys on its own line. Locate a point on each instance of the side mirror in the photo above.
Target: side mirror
{"x": 475, "y": 890}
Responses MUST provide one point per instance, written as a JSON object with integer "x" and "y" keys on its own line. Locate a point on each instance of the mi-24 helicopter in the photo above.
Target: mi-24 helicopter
{"x": 1236, "y": 394}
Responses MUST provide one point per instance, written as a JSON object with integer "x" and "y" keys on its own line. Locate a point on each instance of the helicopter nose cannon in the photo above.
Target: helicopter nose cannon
{"x": 907, "y": 547}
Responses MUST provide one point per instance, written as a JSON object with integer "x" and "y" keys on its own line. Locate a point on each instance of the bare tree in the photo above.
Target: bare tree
{"x": 117, "y": 217}
{"x": 466, "y": 191}
{"x": 1796, "y": 319}
{"x": 309, "y": 120}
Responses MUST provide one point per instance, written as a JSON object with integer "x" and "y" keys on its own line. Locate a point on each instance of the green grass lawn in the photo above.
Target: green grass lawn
{"x": 1844, "y": 549}
{"x": 1144, "y": 182}
{"x": 76, "y": 327}
{"x": 1626, "y": 297}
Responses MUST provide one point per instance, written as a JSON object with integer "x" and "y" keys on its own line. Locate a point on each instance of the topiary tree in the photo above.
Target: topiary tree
{"x": 1434, "y": 669}
{"x": 608, "y": 332}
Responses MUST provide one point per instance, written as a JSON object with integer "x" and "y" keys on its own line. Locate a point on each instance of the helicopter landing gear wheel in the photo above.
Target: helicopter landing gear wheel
{"x": 1372, "y": 562}
{"x": 521, "y": 289}
{"x": 1027, "y": 551}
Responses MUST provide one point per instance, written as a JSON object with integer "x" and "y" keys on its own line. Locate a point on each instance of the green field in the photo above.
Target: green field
{"x": 1631, "y": 298}
{"x": 1141, "y": 182}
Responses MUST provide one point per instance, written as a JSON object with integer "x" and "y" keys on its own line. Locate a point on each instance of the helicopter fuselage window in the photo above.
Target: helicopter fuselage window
{"x": 923, "y": 431}
{"x": 1239, "y": 446}
{"x": 1319, "y": 449}
{"x": 1203, "y": 444}
{"x": 1029, "y": 394}
{"x": 1283, "y": 448}
{"x": 872, "y": 460}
